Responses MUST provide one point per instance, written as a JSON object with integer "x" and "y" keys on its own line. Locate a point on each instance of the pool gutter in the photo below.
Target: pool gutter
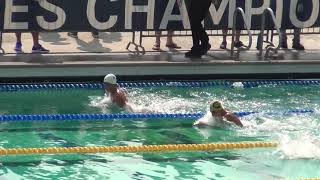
{"x": 79, "y": 67}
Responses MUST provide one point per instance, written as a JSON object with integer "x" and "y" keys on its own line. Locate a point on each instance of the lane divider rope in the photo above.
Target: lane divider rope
{"x": 142, "y": 148}
{"x": 61, "y": 117}
{"x": 95, "y": 86}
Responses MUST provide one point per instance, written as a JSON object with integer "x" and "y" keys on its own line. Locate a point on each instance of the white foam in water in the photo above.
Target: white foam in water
{"x": 172, "y": 105}
{"x": 105, "y": 104}
{"x": 267, "y": 124}
{"x": 238, "y": 85}
{"x": 101, "y": 102}
{"x": 273, "y": 125}
{"x": 301, "y": 147}
{"x": 133, "y": 108}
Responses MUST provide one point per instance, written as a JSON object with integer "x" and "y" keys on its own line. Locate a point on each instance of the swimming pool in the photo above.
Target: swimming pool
{"x": 297, "y": 157}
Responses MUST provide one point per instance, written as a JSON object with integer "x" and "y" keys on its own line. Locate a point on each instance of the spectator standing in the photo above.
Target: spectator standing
{"x": 198, "y": 10}
{"x": 295, "y": 41}
{"x": 296, "y": 44}
{"x": 18, "y": 17}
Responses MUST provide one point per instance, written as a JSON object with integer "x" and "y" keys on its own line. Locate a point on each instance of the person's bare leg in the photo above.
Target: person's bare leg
{"x": 37, "y": 48}
{"x": 169, "y": 37}
{"x": 18, "y": 36}
{"x": 224, "y": 35}
{"x": 158, "y": 38}
{"x": 238, "y": 32}
{"x": 35, "y": 37}
{"x": 156, "y": 45}
{"x": 237, "y": 42}
{"x": 18, "y": 47}
{"x": 223, "y": 44}
{"x": 170, "y": 43}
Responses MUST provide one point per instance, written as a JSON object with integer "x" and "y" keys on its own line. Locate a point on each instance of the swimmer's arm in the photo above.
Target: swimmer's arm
{"x": 198, "y": 123}
{"x": 105, "y": 100}
{"x": 125, "y": 93}
{"x": 124, "y": 90}
{"x": 233, "y": 118}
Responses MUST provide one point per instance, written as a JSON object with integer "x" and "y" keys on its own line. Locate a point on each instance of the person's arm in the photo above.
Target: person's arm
{"x": 125, "y": 94}
{"x": 233, "y": 118}
{"x": 198, "y": 123}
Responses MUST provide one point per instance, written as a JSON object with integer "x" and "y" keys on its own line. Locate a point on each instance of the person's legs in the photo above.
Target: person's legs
{"x": 73, "y": 34}
{"x": 283, "y": 43}
{"x": 195, "y": 51}
{"x": 35, "y": 37}
{"x": 238, "y": 32}
{"x": 169, "y": 37}
{"x": 170, "y": 43}
{"x": 156, "y": 45}
{"x": 18, "y": 36}
{"x": 223, "y": 44}
{"x": 37, "y": 48}
{"x": 237, "y": 42}
{"x": 195, "y": 29}
{"x": 95, "y": 34}
{"x": 195, "y": 22}
{"x": 18, "y": 46}
{"x": 296, "y": 40}
{"x": 204, "y": 10}
{"x": 202, "y": 13}
{"x": 198, "y": 10}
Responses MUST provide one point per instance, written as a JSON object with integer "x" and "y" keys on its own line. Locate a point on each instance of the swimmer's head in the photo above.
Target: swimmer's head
{"x": 216, "y": 106}
{"x": 110, "y": 79}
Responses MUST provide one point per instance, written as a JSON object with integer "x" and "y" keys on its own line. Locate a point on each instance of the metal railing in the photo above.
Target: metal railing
{"x": 1, "y": 49}
{"x": 236, "y": 12}
{"x": 270, "y": 47}
{"x": 138, "y": 48}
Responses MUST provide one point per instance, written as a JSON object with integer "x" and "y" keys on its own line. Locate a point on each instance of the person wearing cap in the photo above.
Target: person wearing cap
{"x": 117, "y": 94}
{"x": 218, "y": 114}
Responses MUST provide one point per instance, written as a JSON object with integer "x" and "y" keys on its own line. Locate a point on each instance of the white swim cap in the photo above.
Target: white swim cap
{"x": 110, "y": 78}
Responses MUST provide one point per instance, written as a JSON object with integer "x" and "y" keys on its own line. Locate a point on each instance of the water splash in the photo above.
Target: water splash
{"x": 101, "y": 102}
{"x": 304, "y": 146}
{"x": 106, "y": 106}
{"x": 238, "y": 85}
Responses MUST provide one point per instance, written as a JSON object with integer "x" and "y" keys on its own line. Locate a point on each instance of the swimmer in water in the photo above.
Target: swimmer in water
{"x": 116, "y": 94}
{"x": 218, "y": 116}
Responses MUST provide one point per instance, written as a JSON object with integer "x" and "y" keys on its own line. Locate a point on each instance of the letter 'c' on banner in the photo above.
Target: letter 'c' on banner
{"x": 94, "y": 22}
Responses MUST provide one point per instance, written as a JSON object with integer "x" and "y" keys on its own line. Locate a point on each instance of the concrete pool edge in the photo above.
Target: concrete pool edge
{"x": 72, "y": 67}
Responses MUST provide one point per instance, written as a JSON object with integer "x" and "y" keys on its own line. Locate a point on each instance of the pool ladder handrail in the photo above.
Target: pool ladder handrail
{"x": 244, "y": 16}
{"x": 270, "y": 47}
{"x": 138, "y": 48}
{"x": 1, "y": 49}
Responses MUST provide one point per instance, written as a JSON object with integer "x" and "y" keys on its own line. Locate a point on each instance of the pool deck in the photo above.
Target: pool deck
{"x": 93, "y": 58}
